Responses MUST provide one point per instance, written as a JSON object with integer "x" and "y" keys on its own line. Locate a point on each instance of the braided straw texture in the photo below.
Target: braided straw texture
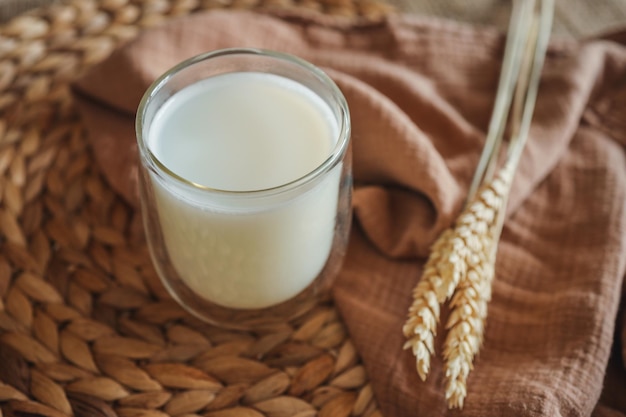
{"x": 85, "y": 326}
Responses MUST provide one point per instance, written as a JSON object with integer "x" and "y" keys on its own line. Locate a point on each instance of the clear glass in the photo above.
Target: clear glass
{"x": 246, "y": 259}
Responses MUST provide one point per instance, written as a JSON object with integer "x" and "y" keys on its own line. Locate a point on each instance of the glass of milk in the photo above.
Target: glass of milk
{"x": 245, "y": 180}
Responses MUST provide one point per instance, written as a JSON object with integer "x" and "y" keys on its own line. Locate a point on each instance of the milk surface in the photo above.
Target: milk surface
{"x": 243, "y": 132}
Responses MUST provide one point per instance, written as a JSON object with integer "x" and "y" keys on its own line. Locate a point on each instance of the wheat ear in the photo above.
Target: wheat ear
{"x": 454, "y": 254}
{"x": 479, "y": 228}
{"x": 423, "y": 317}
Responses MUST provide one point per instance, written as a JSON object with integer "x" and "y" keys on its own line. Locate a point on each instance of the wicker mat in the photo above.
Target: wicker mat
{"x": 84, "y": 330}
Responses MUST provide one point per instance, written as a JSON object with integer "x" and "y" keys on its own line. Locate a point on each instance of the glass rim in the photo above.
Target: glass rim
{"x": 334, "y": 157}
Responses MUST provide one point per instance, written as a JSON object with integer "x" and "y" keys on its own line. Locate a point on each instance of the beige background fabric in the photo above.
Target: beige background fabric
{"x": 577, "y": 18}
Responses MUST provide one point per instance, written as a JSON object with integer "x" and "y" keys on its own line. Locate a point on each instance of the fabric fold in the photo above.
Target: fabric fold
{"x": 420, "y": 94}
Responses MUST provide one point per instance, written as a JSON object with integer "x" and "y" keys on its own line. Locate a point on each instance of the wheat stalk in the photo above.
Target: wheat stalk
{"x": 462, "y": 261}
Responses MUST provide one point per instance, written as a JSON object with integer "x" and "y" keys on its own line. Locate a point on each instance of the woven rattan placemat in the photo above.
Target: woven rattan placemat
{"x": 85, "y": 326}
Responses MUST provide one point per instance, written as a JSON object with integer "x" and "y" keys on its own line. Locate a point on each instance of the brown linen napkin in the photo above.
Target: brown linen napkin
{"x": 420, "y": 94}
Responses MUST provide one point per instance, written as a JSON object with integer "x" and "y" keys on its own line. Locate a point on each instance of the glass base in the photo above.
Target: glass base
{"x": 319, "y": 291}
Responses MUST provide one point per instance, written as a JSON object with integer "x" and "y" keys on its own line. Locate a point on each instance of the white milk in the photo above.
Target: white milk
{"x": 242, "y": 132}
